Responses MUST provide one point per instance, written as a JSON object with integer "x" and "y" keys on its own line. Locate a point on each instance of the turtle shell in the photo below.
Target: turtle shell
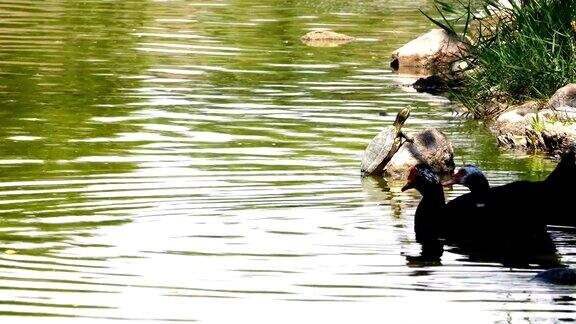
{"x": 376, "y": 154}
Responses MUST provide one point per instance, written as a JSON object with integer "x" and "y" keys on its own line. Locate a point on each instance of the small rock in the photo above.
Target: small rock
{"x": 559, "y": 276}
{"x": 435, "y": 49}
{"x": 565, "y": 96}
{"x": 544, "y": 113}
{"x": 325, "y": 38}
{"x": 429, "y": 146}
{"x": 459, "y": 67}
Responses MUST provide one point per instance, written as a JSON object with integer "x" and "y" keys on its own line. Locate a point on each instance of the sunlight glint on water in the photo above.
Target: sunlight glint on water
{"x": 194, "y": 161}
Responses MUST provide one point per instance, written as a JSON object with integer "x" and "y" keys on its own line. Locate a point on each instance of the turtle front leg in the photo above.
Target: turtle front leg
{"x": 406, "y": 137}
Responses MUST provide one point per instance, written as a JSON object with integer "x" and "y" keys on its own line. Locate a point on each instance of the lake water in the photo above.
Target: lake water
{"x": 193, "y": 161}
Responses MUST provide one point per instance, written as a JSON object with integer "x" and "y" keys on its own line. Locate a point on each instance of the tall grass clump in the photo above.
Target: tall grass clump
{"x": 523, "y": 51}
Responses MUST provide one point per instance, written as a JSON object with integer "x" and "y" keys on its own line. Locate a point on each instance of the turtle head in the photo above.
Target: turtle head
{"x": 401, "y": 117}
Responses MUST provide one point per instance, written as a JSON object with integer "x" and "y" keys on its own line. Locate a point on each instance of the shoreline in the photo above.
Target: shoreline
{"x": 545, "y": 126}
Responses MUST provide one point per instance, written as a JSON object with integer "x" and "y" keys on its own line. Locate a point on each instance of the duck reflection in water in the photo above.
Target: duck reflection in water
{"x": 484, "y": 231}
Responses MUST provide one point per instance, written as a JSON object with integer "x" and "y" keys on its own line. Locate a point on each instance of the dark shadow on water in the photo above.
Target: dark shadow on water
{"x": 537, "y": 251}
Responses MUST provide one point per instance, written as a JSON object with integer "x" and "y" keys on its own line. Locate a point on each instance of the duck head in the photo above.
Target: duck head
{"x": 421, "y": 177}
{"x": 470, "y": 177}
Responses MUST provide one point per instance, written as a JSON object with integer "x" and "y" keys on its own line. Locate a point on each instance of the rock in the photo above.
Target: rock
{"x": 550, "y": 128}
{"x": 512, "y": 141}
{"x": 412, "y": 71}
{"x": 565, "y": 113}
{"x": 433, "y": 84}
{"x": 511, "y": 117}
{"x": 549, "y": 137}
{"x": 526, "y": 108}
{"x": 565, "y": 96}
{"x": 560, "y": 276}
{"x": 547, "y": 130}
{"x": 325, "y": 38}
{"x": 430, "y": 146}
{"x": 460, "y": 66}
{"x": 515, "y": 120}
{"x": 434, "y": 50}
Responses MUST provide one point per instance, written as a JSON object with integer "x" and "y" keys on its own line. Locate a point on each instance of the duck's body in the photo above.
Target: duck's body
{"x": 475, "y": 224}
{"x": 525, "y": 204}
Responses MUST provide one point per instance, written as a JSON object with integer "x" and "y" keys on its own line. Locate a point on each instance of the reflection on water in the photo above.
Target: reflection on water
{"x": 168, "y": 160}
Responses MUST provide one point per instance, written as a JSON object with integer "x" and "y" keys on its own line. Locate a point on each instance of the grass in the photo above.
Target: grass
{"x": 525, "y": 52}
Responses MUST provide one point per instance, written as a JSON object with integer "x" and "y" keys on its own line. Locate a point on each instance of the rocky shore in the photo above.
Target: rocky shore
{"x": 532, "y": 126}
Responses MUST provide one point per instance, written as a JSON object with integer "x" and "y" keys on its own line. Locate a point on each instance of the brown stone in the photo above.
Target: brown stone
{"x": 435, "y": 49}
{"x": 325, "y": 38}
{"x": 565, "y": 96}
{"x": 429, "y": 146}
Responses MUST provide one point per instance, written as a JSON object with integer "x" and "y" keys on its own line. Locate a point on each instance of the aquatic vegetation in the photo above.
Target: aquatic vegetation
{"x": 517, "y": 52}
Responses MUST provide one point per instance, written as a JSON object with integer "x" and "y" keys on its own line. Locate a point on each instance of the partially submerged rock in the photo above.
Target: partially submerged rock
{"x": 553, "y": 138}
{"x": 325, "y": 38}
{"x": 550, "y": 128}
{"x": 526, "y": 127}
{"x": 433, "y": 50}
{"x": 429, "y": 146}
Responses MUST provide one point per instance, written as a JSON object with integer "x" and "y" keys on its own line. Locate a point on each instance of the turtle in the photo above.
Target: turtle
{"x": 384, "y": 145}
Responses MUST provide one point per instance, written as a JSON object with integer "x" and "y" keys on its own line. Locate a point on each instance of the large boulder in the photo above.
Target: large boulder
{"x": 429, "y": 146}
{"x": 434, "y": 50}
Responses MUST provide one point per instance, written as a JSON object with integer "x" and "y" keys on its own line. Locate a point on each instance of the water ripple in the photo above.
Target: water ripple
{"x": 165, "y": 160}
